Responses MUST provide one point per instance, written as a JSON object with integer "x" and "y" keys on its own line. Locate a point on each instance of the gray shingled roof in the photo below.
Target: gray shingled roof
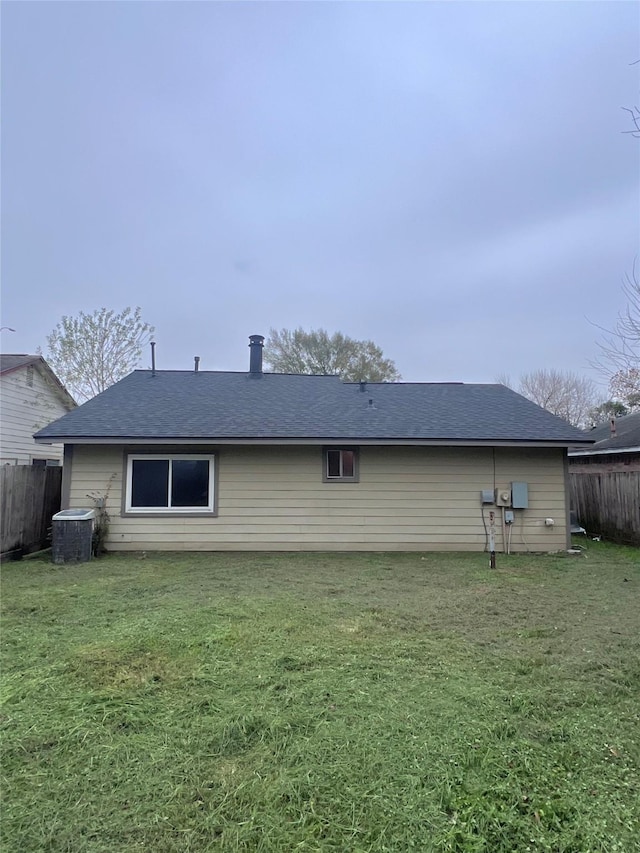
{"x": 12, "y": 361}
{"x": 627, "y": 434}
{"x": 216, "y": 406}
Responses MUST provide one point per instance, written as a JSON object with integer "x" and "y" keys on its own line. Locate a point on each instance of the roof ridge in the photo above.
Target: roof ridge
{"x": 234, "y": 372}
{"x": 434, "y": 382}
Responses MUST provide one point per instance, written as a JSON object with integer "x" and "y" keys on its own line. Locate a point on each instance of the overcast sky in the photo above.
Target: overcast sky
{"x": 450, "y": 180}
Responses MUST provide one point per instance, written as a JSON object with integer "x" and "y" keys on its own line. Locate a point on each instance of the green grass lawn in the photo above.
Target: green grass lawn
{"x": 322, "y": 702}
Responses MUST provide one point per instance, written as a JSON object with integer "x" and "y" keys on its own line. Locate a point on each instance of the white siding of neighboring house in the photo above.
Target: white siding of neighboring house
{"x": 24, "y": 409}
{"x": 408, "y": 498}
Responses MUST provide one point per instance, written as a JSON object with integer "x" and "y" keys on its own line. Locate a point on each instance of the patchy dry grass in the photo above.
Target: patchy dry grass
{"x": 327, "y": 702}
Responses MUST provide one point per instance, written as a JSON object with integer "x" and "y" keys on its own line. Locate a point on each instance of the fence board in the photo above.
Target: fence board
{"x": 608, "y": 503}
{"x": 29, "y": 496}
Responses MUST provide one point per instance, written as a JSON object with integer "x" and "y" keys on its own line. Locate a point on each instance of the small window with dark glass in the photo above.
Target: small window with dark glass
{"x": 170, "y": 484}
{"x": 340, "y": 464}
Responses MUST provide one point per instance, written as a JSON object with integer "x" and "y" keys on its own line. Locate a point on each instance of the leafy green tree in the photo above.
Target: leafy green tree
{"x": 607, "y": 410}
{"x": 318, "y": 352}
{"x": 92, "y": 351}
{"x": 625, "y": 384}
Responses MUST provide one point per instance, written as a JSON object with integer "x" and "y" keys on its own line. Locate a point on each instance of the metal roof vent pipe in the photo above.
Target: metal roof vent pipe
{"x": 612, "y": 426}
{"x": 256, "y": 344}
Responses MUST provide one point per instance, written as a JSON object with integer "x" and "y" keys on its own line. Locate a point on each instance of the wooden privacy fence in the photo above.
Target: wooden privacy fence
{"x": 28, "y": 499}
{"x": 608, "y": 503}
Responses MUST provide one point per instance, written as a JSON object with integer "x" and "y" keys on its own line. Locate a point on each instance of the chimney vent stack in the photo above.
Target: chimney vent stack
{"x": 256, "y": 344}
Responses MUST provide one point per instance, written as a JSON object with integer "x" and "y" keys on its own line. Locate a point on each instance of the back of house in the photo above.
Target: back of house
{"x": 205, "y": 460}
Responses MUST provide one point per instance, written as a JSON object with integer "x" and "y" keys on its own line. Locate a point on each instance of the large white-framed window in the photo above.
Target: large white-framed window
{"x": 173, "y": 484}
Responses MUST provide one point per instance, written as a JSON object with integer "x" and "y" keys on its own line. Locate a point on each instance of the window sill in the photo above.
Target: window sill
{"x": 168, "y": 513}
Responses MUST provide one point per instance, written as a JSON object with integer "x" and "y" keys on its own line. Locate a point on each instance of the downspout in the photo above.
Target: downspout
{"x": 567, "y": 495}
{"x": 67, "y": 464}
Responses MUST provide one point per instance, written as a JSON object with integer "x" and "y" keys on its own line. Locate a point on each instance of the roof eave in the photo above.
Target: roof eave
{"x": 322, "y": 440}
{"x": 58, "y": 386}
{"x": 604, "y": 451}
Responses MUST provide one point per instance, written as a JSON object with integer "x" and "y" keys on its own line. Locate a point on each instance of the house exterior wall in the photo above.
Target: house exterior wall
{"x": 274, "y": 498}
{"x": 27, "y": 403}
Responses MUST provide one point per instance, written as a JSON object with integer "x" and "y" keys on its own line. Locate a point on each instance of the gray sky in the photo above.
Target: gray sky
{"x": 451, "y": 180}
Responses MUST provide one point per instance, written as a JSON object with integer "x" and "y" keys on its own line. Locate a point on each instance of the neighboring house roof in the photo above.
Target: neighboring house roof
{"x": 626, "y": 438}
{"x": 225, "y": 406}
{"x": 9, "y": 362}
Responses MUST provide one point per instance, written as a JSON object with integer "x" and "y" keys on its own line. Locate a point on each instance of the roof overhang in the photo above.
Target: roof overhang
{"x": 373, "y": 442}
{"x": 608, "y": 451}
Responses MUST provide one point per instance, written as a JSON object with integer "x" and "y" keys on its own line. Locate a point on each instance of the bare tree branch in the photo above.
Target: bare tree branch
{"x": 568, "y": 395}
{"x": 619, "y": 359}
{"x": 635, "y": 118}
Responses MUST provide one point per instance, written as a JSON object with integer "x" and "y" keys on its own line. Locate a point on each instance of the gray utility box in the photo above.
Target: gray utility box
{"x": 72, "y": 540}
{"x": 520, "y": 495}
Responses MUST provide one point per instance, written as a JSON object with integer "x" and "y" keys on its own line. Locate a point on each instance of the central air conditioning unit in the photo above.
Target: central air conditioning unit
{"x": 503, "y": 497}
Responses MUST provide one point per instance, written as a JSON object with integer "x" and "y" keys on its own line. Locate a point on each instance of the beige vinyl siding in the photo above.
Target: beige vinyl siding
{"x": 24, "y": 410}
{"x": 408, "y": 498}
